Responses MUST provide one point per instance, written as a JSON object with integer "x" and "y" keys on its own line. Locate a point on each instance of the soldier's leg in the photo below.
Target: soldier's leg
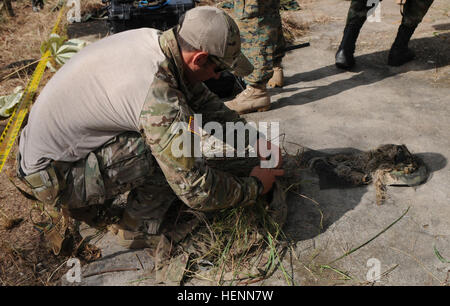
{"x": 277, "y": 79}
{"x": 413, "y": 13}
{"x": 357, "y": 12}
{"x": 255, "y": 44}
{"x": 85, "y": 190}
{"x": 146, "y": 210}
{"x": 147, "y": 205}
{"x": 356, "y": 16}
{"x": 261, "y": 37}
{"x": 257, "y": 30}
{"x": 120, "y": 165}
{"x": 123, "y": 164}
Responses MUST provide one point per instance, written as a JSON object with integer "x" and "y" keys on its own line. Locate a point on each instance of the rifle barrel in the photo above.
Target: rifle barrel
{"x": 293, "y": 47}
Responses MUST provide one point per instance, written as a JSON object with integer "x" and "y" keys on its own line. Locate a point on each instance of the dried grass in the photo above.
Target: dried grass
{"x": 21, "y": 37}
{"x": 27, "y": 262}
{"x": 89, "y": 6}
{"x": 292, "y": 28}
{"x": 237, "y": 246}
{"x": 244, "y": 245}
{"x": 24, "y": 257}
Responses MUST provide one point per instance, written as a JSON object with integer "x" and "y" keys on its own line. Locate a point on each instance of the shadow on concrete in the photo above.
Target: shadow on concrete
{"x": 442, "y": 26}
{"x": 312, "y": 215}
{"x": 433, "y": 161}
{"x": 431, "y": 53}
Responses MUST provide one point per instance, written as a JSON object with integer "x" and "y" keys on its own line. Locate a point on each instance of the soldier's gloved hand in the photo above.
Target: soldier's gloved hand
{"x": 267, "y": 176}
{"x": 269, "y": 153}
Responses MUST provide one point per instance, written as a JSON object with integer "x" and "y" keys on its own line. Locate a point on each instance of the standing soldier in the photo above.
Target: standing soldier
{"x": 413, "y": 13}
{"x": 262, "y": 42}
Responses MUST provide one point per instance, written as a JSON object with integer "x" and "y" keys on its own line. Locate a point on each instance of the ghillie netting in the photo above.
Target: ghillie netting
{"x": 387, "y": 165}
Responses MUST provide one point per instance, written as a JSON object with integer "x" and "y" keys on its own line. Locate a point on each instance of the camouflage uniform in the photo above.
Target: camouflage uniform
{"x": 262, "y": 39}
{"x": 144, "y": 164}
{"x": 413, "y": 12}
{"x": 193, "y": 182}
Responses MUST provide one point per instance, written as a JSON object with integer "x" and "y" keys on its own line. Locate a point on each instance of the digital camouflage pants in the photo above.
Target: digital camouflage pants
{"x": 262, "y": 40}
{"x": 413, "y": 11}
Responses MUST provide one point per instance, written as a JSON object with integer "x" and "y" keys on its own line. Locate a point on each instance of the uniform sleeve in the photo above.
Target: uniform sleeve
{"x": 164, "y": 121}
{"x": 212, "y": 108}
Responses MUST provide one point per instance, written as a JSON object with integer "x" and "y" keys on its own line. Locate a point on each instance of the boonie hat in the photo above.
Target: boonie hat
{"x": 211, "y": 30}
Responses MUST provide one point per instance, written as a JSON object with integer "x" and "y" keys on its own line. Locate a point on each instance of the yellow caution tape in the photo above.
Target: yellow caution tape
{"x": 14, "y": 124}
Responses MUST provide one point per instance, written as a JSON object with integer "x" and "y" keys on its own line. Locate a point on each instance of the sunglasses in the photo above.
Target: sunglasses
{"x": 220, "y": 67}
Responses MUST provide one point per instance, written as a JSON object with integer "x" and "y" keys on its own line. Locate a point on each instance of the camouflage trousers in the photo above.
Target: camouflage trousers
{"x": 85, "y": 190}
{"x": 413, "y": 11}
{"x": 262, "y": 40}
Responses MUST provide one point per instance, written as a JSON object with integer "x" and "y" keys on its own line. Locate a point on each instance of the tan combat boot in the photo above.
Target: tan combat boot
{"x": 277, "y": 79}
{"x": 250, "y": 100}
{"x": 136, "y": 240}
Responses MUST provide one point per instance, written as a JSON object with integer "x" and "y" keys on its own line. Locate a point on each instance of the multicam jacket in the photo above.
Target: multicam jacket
{"x": 196, "y": 184}
{"x": 131, "y": 81}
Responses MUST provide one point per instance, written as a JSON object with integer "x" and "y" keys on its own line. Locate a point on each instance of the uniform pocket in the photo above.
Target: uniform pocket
{"x": 95, "y": 188}
{"x": 121, "y": 164}
{"x": 125, "y": 163}
{"x": 44, "y": 185}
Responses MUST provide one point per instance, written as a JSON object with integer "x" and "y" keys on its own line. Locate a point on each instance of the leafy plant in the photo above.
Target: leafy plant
{"x": 61, "y": 49}
{"x": 7, "y": 103}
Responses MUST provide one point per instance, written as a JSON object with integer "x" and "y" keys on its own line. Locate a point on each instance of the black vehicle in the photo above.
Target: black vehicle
{"x": 159, "y": 14}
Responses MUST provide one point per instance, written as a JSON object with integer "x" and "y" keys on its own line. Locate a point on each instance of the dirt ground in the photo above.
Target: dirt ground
{"x": 24, "y": 258}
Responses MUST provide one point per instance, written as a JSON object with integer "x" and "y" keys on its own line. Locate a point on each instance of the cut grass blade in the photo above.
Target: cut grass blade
{"x": 439, "y": 256}
{"x": 371, "y": 239}
{"x": 343, "y": 274}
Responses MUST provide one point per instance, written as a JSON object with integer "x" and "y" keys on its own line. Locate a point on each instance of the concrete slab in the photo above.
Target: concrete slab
{"x": 117, "y": 266}
{"x": 325, "y": 108}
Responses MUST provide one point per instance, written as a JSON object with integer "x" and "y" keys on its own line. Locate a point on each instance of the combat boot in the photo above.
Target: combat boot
{"x": 400, "y": 53}
{"x": 136, "y": 240}
{"x": 277, "y": 78}
{"x": 253, "y": 98}
{"x": 344, "y": 55}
